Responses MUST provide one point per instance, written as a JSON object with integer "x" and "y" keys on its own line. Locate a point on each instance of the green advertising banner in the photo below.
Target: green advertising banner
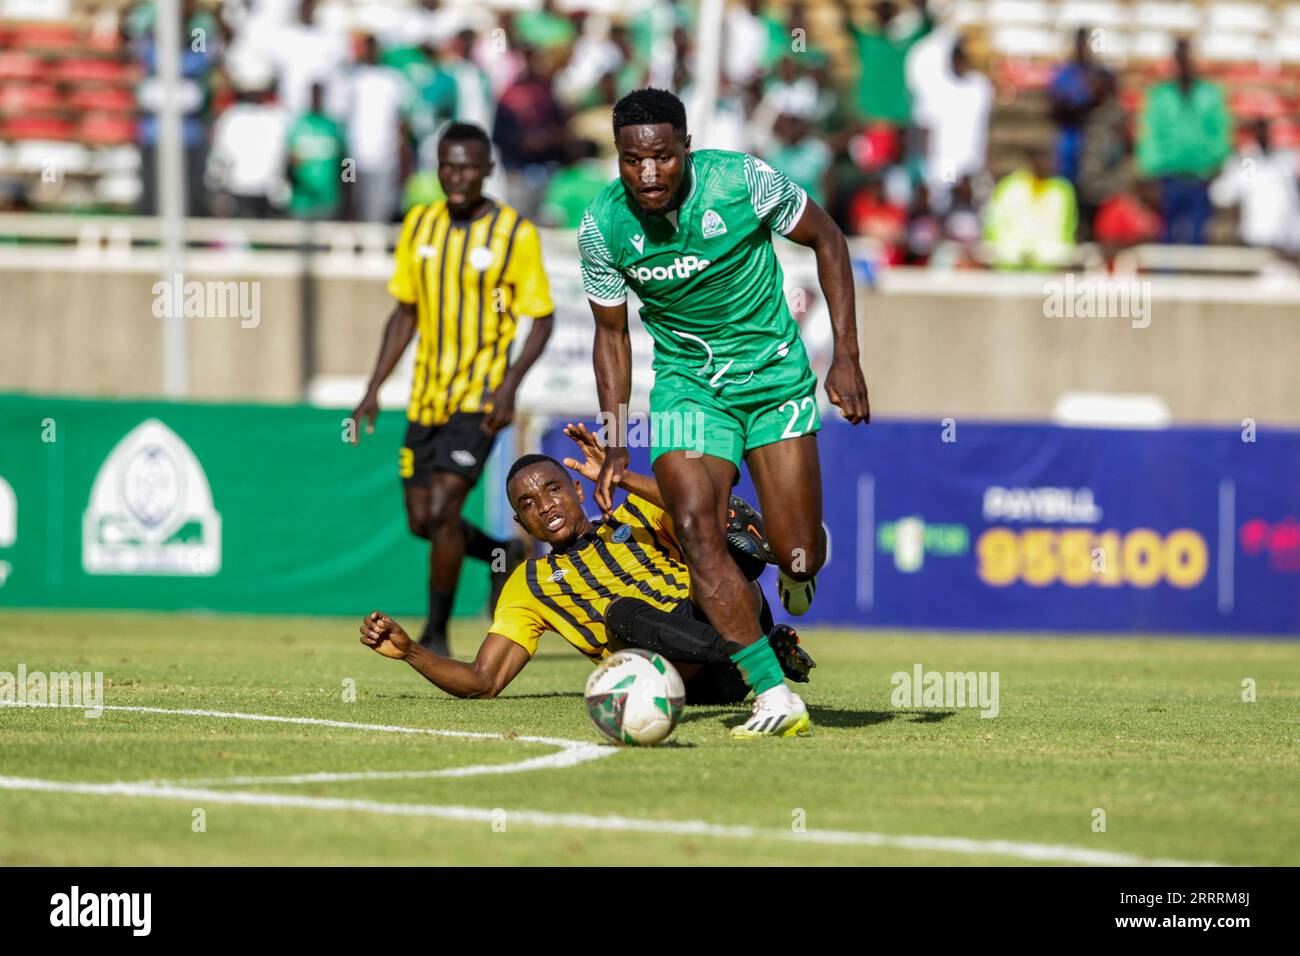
{"x": 250, "y": 508}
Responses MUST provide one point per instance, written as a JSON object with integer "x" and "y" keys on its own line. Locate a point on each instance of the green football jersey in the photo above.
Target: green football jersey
{"x": 711, "y": 288}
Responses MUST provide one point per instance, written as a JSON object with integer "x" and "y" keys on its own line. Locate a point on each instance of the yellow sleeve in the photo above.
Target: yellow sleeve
{"x": 517, "y": 615}
{"x": 656, "y": 519}
{"x": 532, "y": 291}
{"x": 402, "y": 285}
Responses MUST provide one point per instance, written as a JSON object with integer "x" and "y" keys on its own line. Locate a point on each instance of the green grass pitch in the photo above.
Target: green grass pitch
{"x": 1154, "y": 732}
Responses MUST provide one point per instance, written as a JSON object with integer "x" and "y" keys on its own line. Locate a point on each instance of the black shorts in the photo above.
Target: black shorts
{"x": 719, "y": 683}
{"x": 459, "y": 446}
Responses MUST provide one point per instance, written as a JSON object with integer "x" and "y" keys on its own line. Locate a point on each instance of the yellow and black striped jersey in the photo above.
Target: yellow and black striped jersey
{"x": 628, "y": 554}
{"x": 470, "y": 281}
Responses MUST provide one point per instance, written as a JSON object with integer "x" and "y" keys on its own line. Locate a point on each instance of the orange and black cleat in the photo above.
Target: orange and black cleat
{"x": 795, "y": 661}
{"x": 747, "y": 539}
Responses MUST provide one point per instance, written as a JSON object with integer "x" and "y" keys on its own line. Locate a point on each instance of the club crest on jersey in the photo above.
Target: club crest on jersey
{"x": 621, "y": 534}
{"x": 638, "y": 242}
{"x": 712, "y": 224}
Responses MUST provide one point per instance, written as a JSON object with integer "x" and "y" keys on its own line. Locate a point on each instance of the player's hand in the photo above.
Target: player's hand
{"x": 366, "y": 411}
{"x": 609, "y": 477}
{"x": 592, "y": 454}
{"x": 383, "y": 635}
{"x": 847, "y": 389}
{"x": 502, "y": 413}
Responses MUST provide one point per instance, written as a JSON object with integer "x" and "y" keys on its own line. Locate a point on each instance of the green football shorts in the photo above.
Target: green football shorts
{"x": 687, "y": 414}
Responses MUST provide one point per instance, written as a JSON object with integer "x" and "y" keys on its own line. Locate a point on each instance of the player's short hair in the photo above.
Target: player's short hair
{"x": 650, "y": 107}
{"x": 466, "y": 133}
{"x": 527, "y": 461}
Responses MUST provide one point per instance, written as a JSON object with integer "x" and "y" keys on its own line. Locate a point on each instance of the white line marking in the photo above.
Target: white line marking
{"x": 571, "y": 753}
{"x": 1036, "y": 852}
{"x": 574, "y": 752}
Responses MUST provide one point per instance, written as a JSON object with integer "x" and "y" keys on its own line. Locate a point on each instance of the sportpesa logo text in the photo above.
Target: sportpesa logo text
{"x": 683, "y": 267}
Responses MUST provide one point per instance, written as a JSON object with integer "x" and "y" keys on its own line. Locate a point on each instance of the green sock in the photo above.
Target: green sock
{"x": 759, "y": 666}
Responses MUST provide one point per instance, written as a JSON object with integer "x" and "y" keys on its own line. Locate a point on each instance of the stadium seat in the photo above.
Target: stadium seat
{"x": 95, "y": 70}
{"x": 1166, "y": 15}
{"x": 1019, "y": 11}
{"x": 1230, "y": 47}
{"x": 36, "y": 156}
{"x": 36, "y": 127}
{"x": 118, "y": 159}
{"x": 1027, "y": 42}
{"x": 1025, "y": 74}
{"x": 1093, "y": 13}
{"x": 16, "y": 98}
{"x": 1152, "y": 45}
{"x": 1286, "y": 48}
{"x": 46, "y": 37}
{"x": 17, "y": 65}
{"x": 106, "y": 129}
{"x": 967, "y": 12}
{"x": 1250, "y": 104}
{"x": 1241, "y": 17}
{"x": 51, "y": 10}
{"x": 103, "y": 99}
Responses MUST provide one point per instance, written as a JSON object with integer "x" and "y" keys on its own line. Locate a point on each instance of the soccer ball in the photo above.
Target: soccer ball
{"x": 635, "y": 697}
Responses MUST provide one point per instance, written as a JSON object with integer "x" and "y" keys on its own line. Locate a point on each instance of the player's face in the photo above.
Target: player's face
{"x": 462, "y": 167}
{"x": 652, "y": 164}
{"x": 548, "y": 504}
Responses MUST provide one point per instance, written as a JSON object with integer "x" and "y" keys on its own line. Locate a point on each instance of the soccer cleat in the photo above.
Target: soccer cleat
{"x": 778, "y": 712}
{"x": 796, "y": 596}
{"x": 795, "y": 661}
{"x": 747, "y": 539}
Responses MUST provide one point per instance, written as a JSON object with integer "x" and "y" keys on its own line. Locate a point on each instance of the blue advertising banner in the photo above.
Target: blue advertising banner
{"x": 1040, "y": 527}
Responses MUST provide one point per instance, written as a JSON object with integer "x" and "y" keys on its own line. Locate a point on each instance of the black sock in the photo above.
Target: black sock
{"x": 440, "y": 603}
{"x": 678, "y": 636}
{"x": 480, "y": 545}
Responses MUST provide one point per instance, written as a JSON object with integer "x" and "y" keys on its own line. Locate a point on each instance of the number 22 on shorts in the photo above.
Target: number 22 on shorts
{"x": 796, "y": 408}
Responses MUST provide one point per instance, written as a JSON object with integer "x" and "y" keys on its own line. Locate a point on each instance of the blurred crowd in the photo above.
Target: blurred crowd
{"x": 291, "y": 110}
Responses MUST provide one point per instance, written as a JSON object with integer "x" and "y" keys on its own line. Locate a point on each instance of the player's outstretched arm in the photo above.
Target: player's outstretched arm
{"x": 845, "y": 385}
{"x": 612, "y": 358}
{"x": 397, "y": 336}
{"x": 498, "y": 662}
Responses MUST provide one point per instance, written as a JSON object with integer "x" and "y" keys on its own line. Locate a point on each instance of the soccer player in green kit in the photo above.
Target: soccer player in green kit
{"x": 691, "y": 234}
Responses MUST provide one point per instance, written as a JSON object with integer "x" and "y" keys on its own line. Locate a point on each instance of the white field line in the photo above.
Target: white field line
{"x": 575, "y": 752}
{"x": 571, "y": 752}
{"x": 1033, "y": 852}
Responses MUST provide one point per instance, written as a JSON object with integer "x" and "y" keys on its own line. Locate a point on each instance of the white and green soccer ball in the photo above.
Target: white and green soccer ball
{"x": 635, "y": 697}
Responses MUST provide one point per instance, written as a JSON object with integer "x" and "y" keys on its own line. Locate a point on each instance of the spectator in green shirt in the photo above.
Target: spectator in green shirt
{"x": 882, "y": 51}
{"x": 574, "y": 186}
{"x": 1183, "y": 141}
{"x": 545, "y": 29}
{"x": 316, "y": 149}
{"x": 802, "y": 157}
